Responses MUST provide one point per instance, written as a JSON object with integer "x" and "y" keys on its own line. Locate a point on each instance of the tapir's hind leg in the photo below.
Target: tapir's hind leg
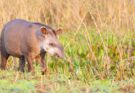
{"x": 21, "y": 63}
{"x": 4, "y": 58}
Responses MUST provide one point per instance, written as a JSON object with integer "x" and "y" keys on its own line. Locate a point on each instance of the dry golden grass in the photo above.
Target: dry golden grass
{"x": 111, "y": 15}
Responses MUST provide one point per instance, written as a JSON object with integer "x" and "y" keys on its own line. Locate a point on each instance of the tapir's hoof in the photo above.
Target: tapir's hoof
{"x": 3, "y": 68}
{"x": 21, "y": 70}
{"x": 43, "y": 72}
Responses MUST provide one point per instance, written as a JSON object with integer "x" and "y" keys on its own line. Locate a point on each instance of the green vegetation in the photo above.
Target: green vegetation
{"x": 96, "y": 63}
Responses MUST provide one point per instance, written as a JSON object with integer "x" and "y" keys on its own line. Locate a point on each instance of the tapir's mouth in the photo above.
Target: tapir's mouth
{"x": 57, "y": 55}
{"x": 60, "y": 56}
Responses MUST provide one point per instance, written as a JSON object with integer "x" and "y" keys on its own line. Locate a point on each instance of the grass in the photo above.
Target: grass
{"x": 59, "y": 83}
{"x": 84, "y": 70}
{"x": 98, "y": 39}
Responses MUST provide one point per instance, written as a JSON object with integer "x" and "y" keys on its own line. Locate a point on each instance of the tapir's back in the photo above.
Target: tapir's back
{"x": 17, "y": 35}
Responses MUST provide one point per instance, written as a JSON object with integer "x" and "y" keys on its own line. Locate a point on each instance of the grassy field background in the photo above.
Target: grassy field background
{"x": 98, "y": 38}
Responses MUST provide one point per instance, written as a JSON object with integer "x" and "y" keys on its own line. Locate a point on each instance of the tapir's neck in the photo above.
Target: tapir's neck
{"x": 43, "y": 46}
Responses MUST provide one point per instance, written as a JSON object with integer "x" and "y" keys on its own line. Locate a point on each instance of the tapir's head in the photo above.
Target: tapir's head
{"x": 50, "y": 42}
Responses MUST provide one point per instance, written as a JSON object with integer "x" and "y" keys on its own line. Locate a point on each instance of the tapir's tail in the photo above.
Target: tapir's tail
{"x": 0, "y": 39}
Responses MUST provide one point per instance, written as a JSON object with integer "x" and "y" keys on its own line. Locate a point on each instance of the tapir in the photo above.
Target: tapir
{"x": 28, "y": 40}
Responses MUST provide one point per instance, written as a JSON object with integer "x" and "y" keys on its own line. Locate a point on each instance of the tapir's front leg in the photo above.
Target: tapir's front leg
{"x": 43, "y": 63}
{"x": 30, "y": 65}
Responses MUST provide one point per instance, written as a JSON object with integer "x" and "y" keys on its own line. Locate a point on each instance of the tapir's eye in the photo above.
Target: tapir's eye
{"x": 52, "y": 44}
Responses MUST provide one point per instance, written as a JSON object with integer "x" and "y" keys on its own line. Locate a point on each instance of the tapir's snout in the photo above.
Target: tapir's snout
{"x": 60, "y": 53}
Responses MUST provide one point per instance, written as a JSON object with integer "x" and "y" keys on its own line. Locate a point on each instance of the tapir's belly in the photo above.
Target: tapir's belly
{"x": 13, "y": 49}
{"x": 13, "y": 44}
{"x": 16, "y": 45}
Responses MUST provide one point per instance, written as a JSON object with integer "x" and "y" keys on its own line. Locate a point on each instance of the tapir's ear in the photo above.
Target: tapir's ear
{"x": 44, "y": 30}
{"x": 58, "y": 31}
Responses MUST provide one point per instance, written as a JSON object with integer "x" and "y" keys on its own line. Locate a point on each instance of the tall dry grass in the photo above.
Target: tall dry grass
{"x": 112, "y": 15}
